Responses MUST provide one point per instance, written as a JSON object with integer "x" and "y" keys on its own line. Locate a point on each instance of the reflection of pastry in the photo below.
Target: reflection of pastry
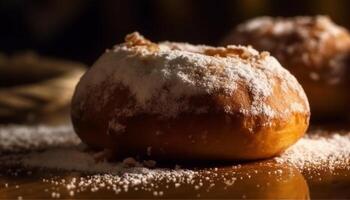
{"x": 251, "y": 181}
{"x": 32, "y": 87}
{"x": 314, "y": 49}
{"x": 179, "y": 101}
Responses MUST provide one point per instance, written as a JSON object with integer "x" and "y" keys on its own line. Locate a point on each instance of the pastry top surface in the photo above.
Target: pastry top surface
{"x": 168, "y": 79}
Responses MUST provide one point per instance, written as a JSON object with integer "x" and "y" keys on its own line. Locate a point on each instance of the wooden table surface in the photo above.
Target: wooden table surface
{"x": 287, "y": 183}
{"x": 264, "y": 179}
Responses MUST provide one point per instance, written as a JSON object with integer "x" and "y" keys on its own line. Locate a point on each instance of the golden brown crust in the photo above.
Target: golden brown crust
{"x": 313, "y": 49}
{"x": 207, "y": 114}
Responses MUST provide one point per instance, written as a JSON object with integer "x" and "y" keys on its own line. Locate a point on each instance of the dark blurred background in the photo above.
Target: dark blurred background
{"x": 82, "y": 29}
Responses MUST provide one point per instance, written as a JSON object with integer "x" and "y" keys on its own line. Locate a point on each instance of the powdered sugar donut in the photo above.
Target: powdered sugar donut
{"x": 314, "y": 49}
{"x": 181, "y": 101}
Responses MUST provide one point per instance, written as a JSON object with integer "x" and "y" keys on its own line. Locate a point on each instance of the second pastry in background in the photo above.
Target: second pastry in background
{"x": 314, "y": 49}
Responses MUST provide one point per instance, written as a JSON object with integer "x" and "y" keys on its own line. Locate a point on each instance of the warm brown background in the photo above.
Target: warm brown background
{"x": 82, "y": 29}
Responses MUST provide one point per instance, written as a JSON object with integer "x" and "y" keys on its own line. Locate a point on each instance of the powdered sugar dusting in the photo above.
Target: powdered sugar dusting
{"x": 19, "y": 138}
{"x": 297, "y": 107}
{"x": 300, "y": 25}
{"x": 162, "y": 78}
{"x": 319, "y": 150}
{"x": 77, "y": 159}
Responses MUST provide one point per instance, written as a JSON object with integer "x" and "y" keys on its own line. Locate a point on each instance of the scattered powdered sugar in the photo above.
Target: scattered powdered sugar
{"x": 319, "y": 150}
{"x": 18, "y": 138}
{"x": 67, "y": 159}
{"x": 71, "y": 156}
{"x": 322, "y": 149}
{"x": 163, "y": 77}
{"x": 78, "y": 160}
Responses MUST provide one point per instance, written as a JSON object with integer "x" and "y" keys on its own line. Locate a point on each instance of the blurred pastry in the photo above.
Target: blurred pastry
{"x": 314, "y": 49}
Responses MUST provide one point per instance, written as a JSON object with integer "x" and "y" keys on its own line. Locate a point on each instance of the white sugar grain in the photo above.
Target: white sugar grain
{"x": 20, "y": 137}
{"x": 319, "y": 150}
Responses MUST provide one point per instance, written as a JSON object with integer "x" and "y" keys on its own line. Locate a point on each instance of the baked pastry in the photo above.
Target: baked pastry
{"x": 314, "y": 49}
{"x": 181, "y": 101}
